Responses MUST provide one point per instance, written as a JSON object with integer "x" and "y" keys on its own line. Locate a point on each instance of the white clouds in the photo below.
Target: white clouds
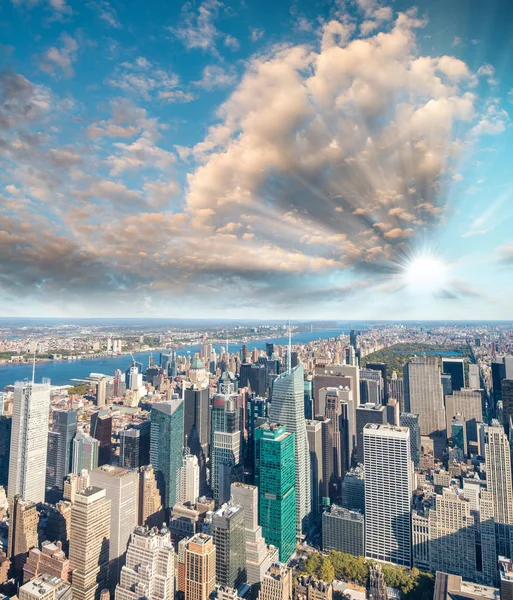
{"x": 214, "y": 76}
{"x": 139, "y": 154}
{"x": 493, "y": 122}
{"x": 59, "y": 7}
{"x": 60, "y": 60}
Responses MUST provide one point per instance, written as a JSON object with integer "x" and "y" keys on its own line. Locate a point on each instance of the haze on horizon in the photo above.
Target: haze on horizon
{"x": 346, "y": 159}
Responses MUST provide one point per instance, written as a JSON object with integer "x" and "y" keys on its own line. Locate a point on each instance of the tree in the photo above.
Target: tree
{"x": 326, "y": 571}
{"x": 313, "y": 564}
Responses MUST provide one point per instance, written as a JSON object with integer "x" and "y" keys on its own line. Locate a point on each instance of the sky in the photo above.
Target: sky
{"x": 347, "y": 159}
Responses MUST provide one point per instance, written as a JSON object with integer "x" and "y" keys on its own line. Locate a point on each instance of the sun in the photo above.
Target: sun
{"x": 425, "y": 273}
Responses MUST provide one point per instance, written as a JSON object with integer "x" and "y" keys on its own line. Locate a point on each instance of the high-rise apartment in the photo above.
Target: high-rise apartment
{"x": 149, "y": 569}
{"x": 259, "y": 556}
{"x": 89, "y": 543}
{"x": 229, "y": 536}
{"x": 389, "y": 482}
{"x": 200, "y": 567}
{"x": 423, "y": 396}
{"x": 287, "y": 408}
{"x": 275, "y": 475}
{"x": 29, "y": 441}
{"x": 120, "y": 486}
{"x": 166, "y": 447}
{"x": 499, "y": 483}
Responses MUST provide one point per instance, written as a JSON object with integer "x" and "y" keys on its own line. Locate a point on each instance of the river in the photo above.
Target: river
{"x": 62, "y": 372}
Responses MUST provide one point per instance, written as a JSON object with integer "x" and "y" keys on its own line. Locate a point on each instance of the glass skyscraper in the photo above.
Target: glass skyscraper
{"x": 166, "y": 447}
{"x": 276, "y": 476}
{"x": 288, "y": 408}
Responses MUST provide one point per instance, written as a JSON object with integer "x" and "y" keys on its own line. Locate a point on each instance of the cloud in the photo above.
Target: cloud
{"x": 106, "y": 12}
{"x": 21, "y": 102}
{"x": 215, "y": 76}
{"x": 60, "y": 60}
{"x": 256, "y": 34}
{"x": 504, "y": 255}
{"x": 197, "y": 29}
{"x": 58, "y": 7}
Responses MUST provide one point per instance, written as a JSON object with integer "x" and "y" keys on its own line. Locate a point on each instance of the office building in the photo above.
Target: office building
{"x": 5, "y": 449}
{"x": 474, "y": 379}
{"x": 259, "y": 556}
{"x": 60, "y": 440}
{"x": 166, "y": 447}
{"x": 506, "y": 578}
{"x": 101, "y": 392}
{"x": 423, "y": 396}
{"x": 23, "y": 522}
{"x": 257, "y": 410}
{"x": 507, "y": 403}
{"x": 85, "y": 453}
{"x": 353, "y": 490}
{"x": 226, "y": 442}
{"x": 134, "y": 447}
{"x": 151, "y": 511}
{"x": 199, "y": 567}
{"x": 229, "y": 537}
{"x": 50, "y": 560}
{"x": 101, "y": 430}
{"x": 371, "y": 387}
{"x": 307, "y": 587}
{"x": 275, "y": 476}
{"x": 120, "y": 486}
{"x": 287, "y": 408}
{"x": 499, "y": 483}
{"x": 276, "y": 583}
{"x": 455, "y": 367}
{"x": 451, "y": 587}
{"x": 149, "y": 569}
{"x": 254, "y": 377}
{"x": 45, "y": 587}
{"x": 189, "y": 478}
{"x": 29, "y": 441}
{"x": 367, "y": 413}
{"x": 89, "y": 543}
{"x": 343, "y": 530}
{"x": 467, "y": 405}
{"x": 393, "y": 413}
{"x": 382, "y": 369}
{"x": 196, "y": 428}
{"x": 389, "y": 483}
{"x": 317, "y": 475}
{"x": 452, "y": 535}
{"x": 396, "y": 390}
{"x": 412, "y": 422}
{"x": 75, "y": 483}
{"x": 58, "y": 523}
{"x": 346, "y": 377}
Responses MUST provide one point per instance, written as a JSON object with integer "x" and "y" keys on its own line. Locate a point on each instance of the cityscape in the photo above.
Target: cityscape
{"x": 256, "y": 318}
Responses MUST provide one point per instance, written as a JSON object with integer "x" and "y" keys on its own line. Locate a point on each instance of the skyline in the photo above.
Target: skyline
{"x": 232, "y": 159}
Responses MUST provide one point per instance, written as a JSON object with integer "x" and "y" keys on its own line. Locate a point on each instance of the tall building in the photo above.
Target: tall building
{"x": 452, "y": 536}
{"x": 382, "y": 369}
{"x": 287, "y": 407}
{"x": 276, "y": 583}
{"x": 499, "y": 483}
{"x": 189, "y": 478}
{"x": 85, "y": 453}
{"x": 226, "y": 442}
{"x": 50, "y": 560}
{"x": 389, "y": 481}
{"x": 150, "y": 565}
{"x": 75, "y": 483}
{"x": 101, "y": 430}
{"x": 314, "y": 436}
{"x": 474, "y": 379}
{"x": 230, "y": 541}
{"x": 89, "y": 543}
{"x": 196, "y": 427}
{"x": 423, "y": 396}
{"x": 455, "y": 367}
{"x": 200, "y": 567}
{"x": 275, "y": 472}
{"x": 412, "y": 422}
{"x": 29, "y": 441}
{"x": 101, "y": 392}
{"x": 134, "y": 450}
{"x": 259, "y": 556}
{"x": 396, "y": 390}
{"x": 64, "y": 429}
{"x": 151, "y": 511}
{"x": 120, "y": 486}
{"x": 507, "y": 402}
{"x": 346, "y": 377}
{"x": 166, "y": 447}
{"x": 45, "y": 587}
{"x": 5, "y": 449}
{"x": 367, "y": 413}
{"x": 343, "y": 530}
{"x": 467, "y": 405}
{"x": 23, "y": 522}
{"x": 353, "y": 490}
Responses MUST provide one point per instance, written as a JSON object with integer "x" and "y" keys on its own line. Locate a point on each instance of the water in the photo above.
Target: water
{"x": 62, "y": 372}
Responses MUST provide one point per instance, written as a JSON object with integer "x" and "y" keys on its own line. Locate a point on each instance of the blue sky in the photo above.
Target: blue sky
{"x": 336, "y": 159}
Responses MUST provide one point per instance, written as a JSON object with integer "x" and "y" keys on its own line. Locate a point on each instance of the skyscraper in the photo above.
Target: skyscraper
{"x": 314, "y": 436}
{"x": 200, "y": 567}
{"x": 89, "y": 543}
{"x": 101, "y": 430}
{"x": 166, "y": 447}
{"x": 412, "y": 422}
{"x": 367, "y": 413}
{"x": 468, "y": 405}
{"x": 287, "y": 407}
{"x": 499, "y": 483}
{"x": 5, "y": 449}
{"x": 135, "y": 446}
{"x": 277, "y": 583}
{"x": 343, "y": 530}
{"x": 196, "y": 427}
{"x": 151, "y": 511}
{"x": 423, "y": 395}
{"x": 120, "y": 486}
{"x": 101, "y": 392}
{"x": 346, "y": 377}
{"x": 85, "y": 453}
{"x": 389, "y": 481}
{"x": 29, "y": 441}
{"x": 149, "y": 569}
{"x": 259, "y": 556}
{"x": 275, "y": 475}
{"x": 455, "y": 367}
{"x": 23, "y": 524}
{"x": 189, "y": 478}
{"x": 474, "y": 382}
{"x": 230, "y": 541}
{"x": 64, "y": 429}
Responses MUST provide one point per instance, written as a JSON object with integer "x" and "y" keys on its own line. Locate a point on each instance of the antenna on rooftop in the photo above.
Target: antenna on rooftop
{"x": 289, "y": 353}
{"x": 34, "y": 365}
